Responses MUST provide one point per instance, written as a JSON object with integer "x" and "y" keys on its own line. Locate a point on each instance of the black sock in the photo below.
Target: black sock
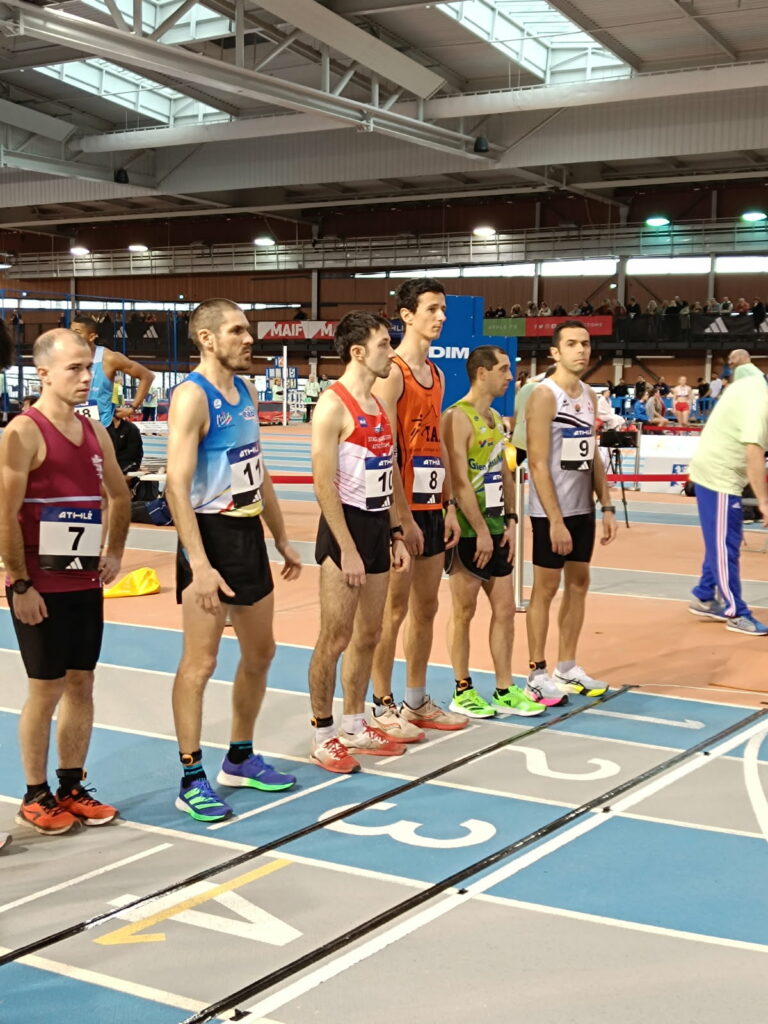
{"x": 499, "y": 692}
{"x": 193, "y": 767}
{"x": 69, "y": 779}
{"x": 34, "y": 793}
{"x": 463, "y": 684}
{"x": 240, "y": 752}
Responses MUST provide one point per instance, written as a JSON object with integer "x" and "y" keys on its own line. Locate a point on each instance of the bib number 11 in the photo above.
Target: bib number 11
{"x": 247, "y": 474}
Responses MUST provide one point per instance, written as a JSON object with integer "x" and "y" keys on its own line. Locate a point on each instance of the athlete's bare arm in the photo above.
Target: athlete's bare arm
{"x": 508, "y": 481}
{"x": 273, "y": 516}
{"x": 331, "y": 424}
{"x": 22, "y": 449}
{"x": 452, "y": 530}
{"x": 187, "y": 424}
{"x": 116, "y": 361}
{"x": 118, "y": 507}
{"x": 603, "y": 491}
{"x": 539, "y": 413}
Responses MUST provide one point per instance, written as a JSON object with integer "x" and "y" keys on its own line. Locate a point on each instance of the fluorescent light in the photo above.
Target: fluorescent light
{"x": 657, "y": 221}
{"x": 79, "y": 250}
{"x": 264, "y": 241}
{"x": 5, "y": 265}
{"x": 754, "y": 216}
{"x": 484, "y": 231}
{"x": 138, "y": 247}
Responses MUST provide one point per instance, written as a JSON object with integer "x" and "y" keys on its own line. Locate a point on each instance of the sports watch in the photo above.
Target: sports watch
{"x": 21, "y": 586}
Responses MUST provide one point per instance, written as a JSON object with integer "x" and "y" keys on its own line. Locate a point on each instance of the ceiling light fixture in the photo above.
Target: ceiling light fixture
{"x": 484, "y": 231}
{"x": 657, "y": 221}
{"x": 79, "y": 250}
{"x": 754, "y": 216}
{"x": 264, "y": 241}
{"x": 138, "y": 247}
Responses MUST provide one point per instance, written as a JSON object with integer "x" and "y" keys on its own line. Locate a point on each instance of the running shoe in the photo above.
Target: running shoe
{"x": 576, "y": 680}
{"x": 332, "y": 755}
{"x": 470, "y": 703}
{"x": 747, "y": 624}
{"x": 5, "y": 839}
{"x": 86, "y": 808}
{"x": 707, "y": 609}
{"x": 254, "y": 772}
{"x": 431, "y": 716}
{"x": 396, "y": 727}
{"x": 46, "y": 816}
{"x": 543, "y": 689}
{"x": 371, "y": 741}
{"x": 514, "y": 702}
{"x": 201, "y": 802}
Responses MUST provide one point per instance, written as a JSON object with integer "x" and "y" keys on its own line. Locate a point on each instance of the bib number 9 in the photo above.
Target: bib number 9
{"x": 578, "y": 450}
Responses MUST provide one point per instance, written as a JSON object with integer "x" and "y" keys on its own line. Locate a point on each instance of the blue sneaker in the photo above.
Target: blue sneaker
{"x": 747, "y": 624}
{"x": 202, "y": 803}
{"x": 254, "y": 772}
{"x": 707, "y": 609}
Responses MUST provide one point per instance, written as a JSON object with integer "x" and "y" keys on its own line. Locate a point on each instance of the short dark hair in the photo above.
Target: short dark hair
{"x": 484, "y": 355}
{"x": 208, "y": 316}
{"x": 88, "y": 323}
{"x": 355, "y": 329}
{"x": 561, "y": 327}
{"x": 409, "y": 291}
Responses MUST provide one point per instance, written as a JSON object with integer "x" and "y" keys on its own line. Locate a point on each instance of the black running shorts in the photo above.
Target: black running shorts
{"x": 582, "y": 531}
{"x": 462, "y": 557}
{"x": 431, "y": 522}
{"x": 370, "y": 532}
{"x": 69, "y": 638}
{"x": 234, "y": 545}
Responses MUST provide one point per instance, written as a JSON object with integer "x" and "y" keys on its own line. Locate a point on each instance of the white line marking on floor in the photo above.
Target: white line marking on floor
{"x": 754, "y": 783}
{"x": 431, "y": 913}
{"x": 686, "y": 723}
{"x": 428, "y": 745}
{"x": 84, "y": 878}
{"x": 613, "y": 922}
{"x": 277, "y": 803}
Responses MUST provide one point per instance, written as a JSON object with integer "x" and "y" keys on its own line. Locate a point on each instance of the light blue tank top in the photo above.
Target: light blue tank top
{"x": 229, "y": 470}
{"x": 102, "y": 389}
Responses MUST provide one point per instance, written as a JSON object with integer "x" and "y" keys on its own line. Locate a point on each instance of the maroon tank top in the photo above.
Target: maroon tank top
{"x": 61, "y": 514}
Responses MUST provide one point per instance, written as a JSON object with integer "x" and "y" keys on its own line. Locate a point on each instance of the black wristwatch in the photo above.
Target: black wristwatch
{"x": 449, "y": 502}
{"x": 21, "y": 586}
{"x": 511, "y": 516}
{"x": 393, "y": 530}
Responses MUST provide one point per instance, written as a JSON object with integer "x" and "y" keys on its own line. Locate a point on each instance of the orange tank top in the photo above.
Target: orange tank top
{"x": 419, "y": 453}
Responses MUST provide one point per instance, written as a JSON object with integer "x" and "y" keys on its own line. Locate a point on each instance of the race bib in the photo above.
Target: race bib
{"x": 88, "y": 409}
{"x": 378, "y": 482}
{"x": 428, "y": 476}
{"x": 578, "y": 451}
{"x": 70, "y": 538}
{"x": 246, "y": 474}
{"x": 493, "y": 488}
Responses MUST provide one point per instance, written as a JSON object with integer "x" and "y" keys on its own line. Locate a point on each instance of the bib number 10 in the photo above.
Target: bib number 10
{"x": 378, "y": 482}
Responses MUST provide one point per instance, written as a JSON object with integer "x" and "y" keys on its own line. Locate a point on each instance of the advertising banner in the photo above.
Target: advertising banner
{"x": 296, "y": 330}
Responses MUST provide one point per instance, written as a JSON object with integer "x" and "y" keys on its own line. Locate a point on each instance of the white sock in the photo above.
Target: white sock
{"x": 323, "y": 733}
{"x": 415, "y": 696}
{"x": 565, "y": 666}
{"x": 353, "y": 724}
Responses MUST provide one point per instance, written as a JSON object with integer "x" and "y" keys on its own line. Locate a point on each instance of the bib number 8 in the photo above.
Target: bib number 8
{"x": 428, "y": 476}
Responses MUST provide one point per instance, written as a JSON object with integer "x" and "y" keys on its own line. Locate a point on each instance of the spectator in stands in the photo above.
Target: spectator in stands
{"x": 758, "y": 312}
{"x": 311, "y": 395}
{"x": 517, "y": 310}
{"x": 682, "y": 400}
{"x": 544, "y": 310}
{"x": 652, "y": 309}
{"x": 697, "y": 307}
{"x": 641, "y": 385}
{"x": 712, "y": 306}
{"x": 604, "y": 309}
{"x": 324, "y": 382}
{"x": 586, "y": 308}
{"x": 741, "y": 306}
{"x": 702, "y": 388}
{"x": 726, "y": 306}
{"x": 559, "y": 310}
{"x": 655, "y": 410}
{"x": 663, "y": 387}
{"x": 532, "y": 309}
{"x": 633, "y": 307}
{"x": 575, "y": 309}
{"x": 620, "y": 390}
{"x": 715, "y": 387}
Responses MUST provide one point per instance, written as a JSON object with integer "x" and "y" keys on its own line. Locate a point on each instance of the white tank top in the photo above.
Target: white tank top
{"x": 571, "y": 454}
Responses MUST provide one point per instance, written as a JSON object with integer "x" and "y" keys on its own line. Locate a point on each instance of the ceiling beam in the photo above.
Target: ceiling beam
{"x": 692, "y": 16}
{"x": 32, "y": 121}
{"x": 602, "y": 35}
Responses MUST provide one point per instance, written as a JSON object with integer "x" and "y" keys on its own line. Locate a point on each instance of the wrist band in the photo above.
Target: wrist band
{"x": 393, "y": 530}
{"x": 450, "y": 501}
{"x": 607, "y": 508}
{"x": 513, "y": 516}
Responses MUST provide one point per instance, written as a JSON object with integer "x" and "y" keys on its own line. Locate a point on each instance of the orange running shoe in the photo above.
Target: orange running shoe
{"x": 371, "y": 741}
{"x": 431, "y": 716}
{"x": 85, "y": 808}
{"x": 46, "y": 816}
{"x": 333, "y": 756}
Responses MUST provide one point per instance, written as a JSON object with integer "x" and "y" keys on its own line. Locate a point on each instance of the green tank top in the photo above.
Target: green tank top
{"x": 484, "y": 457}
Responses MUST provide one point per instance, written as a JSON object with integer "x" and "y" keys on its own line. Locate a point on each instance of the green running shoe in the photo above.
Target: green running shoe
{"x": 514, "y": 702}
{"x": 469, "y": 702}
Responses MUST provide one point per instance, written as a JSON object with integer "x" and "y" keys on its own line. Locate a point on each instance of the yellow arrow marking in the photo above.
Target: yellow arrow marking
{"x": 128, "y": 933}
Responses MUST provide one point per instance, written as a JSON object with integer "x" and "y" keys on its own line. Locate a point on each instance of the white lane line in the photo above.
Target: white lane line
{"x": 457, "y": 899}
{"x": 84, "y": 878}
{"x": 754, "y": 783}
{"x": 428, "y": 744}
{"x": 615, "y": 922}
{"x": 686, "y": 723}
{"x": 277, "y": 803}
{"x": 130, "y": 988}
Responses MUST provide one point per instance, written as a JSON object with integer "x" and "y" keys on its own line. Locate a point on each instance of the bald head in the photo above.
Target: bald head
{"x": 48, "y": 344}
{"x": 739, "y": 357}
